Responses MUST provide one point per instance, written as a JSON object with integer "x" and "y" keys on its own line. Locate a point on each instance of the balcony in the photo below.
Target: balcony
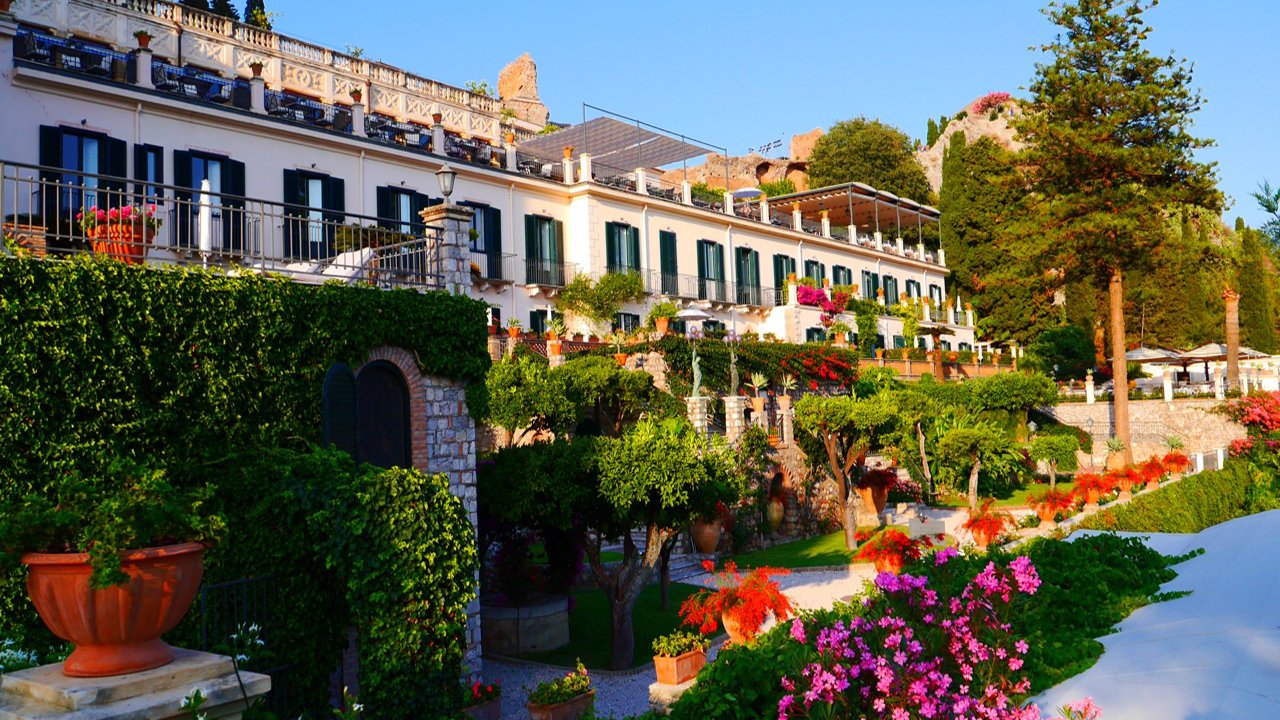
{"x": 43, "y": 207}
{"x": 547, "y": 277}
{"x": 492, "y": 270}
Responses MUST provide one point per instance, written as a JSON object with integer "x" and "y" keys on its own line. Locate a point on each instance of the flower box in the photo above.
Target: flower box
{"x": 679, "y": 669}
{"x": 570, "y": 709}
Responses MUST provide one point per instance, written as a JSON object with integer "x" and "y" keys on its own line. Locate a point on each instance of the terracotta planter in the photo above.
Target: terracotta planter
{"x": 982, "y": 538}
{"x": 706, "y": 535}
{"x": 679, "y": 669}
{"x": 256, "y": 69}
{"x": 757, "y": 405}
{"x": 491, "y": 710}
{"x": 874, "y": 499}
{"x": 356, "y": 96}
{"x": 1126, "y": 487}
{"x": 621, "y": 358}
{"x": 879, "y": 353}
{"x": 889, "y": 564}
{"x": 436, "y": 118}
{"x": 661, "y": 324}
{"x": 776, "y": 511}
{"x": 493, "y": 330}
{"x": 731, "y": 626}
{"x": 1091, "y": 497}
{"x": 513, "y": 332}
{"x": 1115, "y": 461}
{"x": 840, "y": 341}
{"x": 509, "y": 138}
{"x": 554, "y": 347}
{"x": 115, "y": 630}
{"x": 570, "y": 709}
{"x": 144, "y": 40}
{"x": 1047, "y": 516}
{"x": 1153, "y": 484}
{"x": 4, "y": 5}
{"x": 126, "y": 242}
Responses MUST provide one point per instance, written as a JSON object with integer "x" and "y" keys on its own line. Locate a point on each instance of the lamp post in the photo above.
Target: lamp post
{"x": 446, "y": 175}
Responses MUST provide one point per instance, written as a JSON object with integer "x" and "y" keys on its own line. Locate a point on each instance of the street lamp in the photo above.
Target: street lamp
{"x": 446, "y": 176}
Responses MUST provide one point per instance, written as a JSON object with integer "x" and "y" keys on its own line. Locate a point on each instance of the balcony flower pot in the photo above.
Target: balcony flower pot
{"x": 116, "y": 630}
{"x": 679, "y": 669}
{"x": 144, "y": 39}
{"x": 256, "y": 69}
{"x": 621, "y": 357}
{"x": 661, "y": 324}
{"x": 570, "y": 709}
{"x": 879, "y": 353}
{"x": 706, "y": 535}
{"x": 490, "y": 710}
{"x": 1047, "y": 515}
{"x": 568, "y": 152}
{"x": 513, "y": 332}
{"x": 509, "y": 137}
{"x": 757, "y": 405}
{"x": 555, "y": 347}
{"x": 126, "y": 242}
{"x": 357, "y": 95}
{"x": 436, "y": 118}
{"x": 493, "y": 330}
{"x": 775, "y": 512}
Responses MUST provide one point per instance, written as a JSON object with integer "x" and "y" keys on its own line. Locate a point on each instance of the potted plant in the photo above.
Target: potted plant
{"x": 436, "y": 118}
{"x": 987, "y": 522}
{"x": 660, "y": 316}
{"x": 741, "y": 603}
{"x": 509, "y": 137}
{"x": 758, "y": 383}
{"x": 143, "y": 37}
{"x": 1090, "y": 487}
{"x": 120, "y": 232}
{"x": 679, "y": 656}
{"x": 1124, "y": 479}
{"x": 1151, "y": 472}
{"x": 513, "y": 328}
{"x": 1176, "y": 463}
{"x": 1115, "y": 453}
{"x": 556, "y": 330}
{"x": 873, "y": 488}
{"x": 839, "y": 334}
{"x": 483, "y": 701}
{"x": 1048, "y": 504}
{"x": 617, "y": 338}
{"x": 255, "y": 67}
{"x": 565, "y": 698}
{"x": 891, "y": 548}
{"x": 357, "y": 95}
{"x": 114, "y": 562}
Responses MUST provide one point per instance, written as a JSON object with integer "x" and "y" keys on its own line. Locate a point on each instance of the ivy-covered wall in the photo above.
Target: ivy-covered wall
{"x": 192, "y": 370}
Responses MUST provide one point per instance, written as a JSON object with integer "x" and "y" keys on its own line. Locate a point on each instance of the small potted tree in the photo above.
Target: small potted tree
{"x": 143, "y": 37}
{"x": 114, "y": 562}
{"x": 617, "y": 338}
{"x": 891, "y": 548}
{"x": 1175, "y": 461}
{"x": 741, "y": 603}
{"x": 660, "y": 316}
{"x": 758, "y": 384}
{"x": 839, "y": 334}
{"x": 1151, "y": 472}
{"x": 1090, "y": 487}
{"x": 1115, "y": 453}
{"x": 1048, "y": 504}
{"x": 565, "y": 698}
{"x": 483, "y": 701}
{"x": 678, "y": 657}
{"x": 513, "y": 328}
{"x": 555, "y": 330}
{"x": 987, "y": 522}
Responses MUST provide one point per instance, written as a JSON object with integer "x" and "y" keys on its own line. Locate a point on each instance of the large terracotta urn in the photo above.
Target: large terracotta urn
{"x": 115, "y": 630}
{"x": 706, "y": 535}
{"x": 731, "y": 626}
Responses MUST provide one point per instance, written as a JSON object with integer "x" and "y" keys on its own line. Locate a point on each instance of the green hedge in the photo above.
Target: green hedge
{"x": 1188, "y": 506}
{"x": 190, "y": 369}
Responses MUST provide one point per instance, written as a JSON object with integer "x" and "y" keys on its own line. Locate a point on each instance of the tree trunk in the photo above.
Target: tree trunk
{"x": 1053, "y": 474}
{"x": 924, "y": 463}
{"x": 1100, "y": 342}
{"x": 849, "y": 516}
{"x": 1232, "y": 301}
{"x": 623, "y": 630}
{"x": 1119, "y": 367}
{"x": 973, "y": 484}
{"x": 664, "y": 570}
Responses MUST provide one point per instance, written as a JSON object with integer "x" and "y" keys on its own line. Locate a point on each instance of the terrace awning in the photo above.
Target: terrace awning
{"x": 614, "y": 144}
{"x": 1151, "y": 355}
{"x": 857, "y": 204}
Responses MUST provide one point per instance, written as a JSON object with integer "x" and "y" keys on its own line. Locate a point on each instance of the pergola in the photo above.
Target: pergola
{"x": 861, "y": 205}
{"x": 617, "y": 142}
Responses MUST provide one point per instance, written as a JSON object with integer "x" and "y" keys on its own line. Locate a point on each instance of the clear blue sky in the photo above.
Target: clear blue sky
{"x": 743, "y": 73}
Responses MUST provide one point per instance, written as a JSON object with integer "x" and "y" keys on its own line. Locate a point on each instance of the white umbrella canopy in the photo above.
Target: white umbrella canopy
{"x": 750, "y": 193}
{"x": 204, "y": 221}
{"x": 1208, "y": 351}
{"x": 693, "y": 314}
{"x": 1151, "y": 355}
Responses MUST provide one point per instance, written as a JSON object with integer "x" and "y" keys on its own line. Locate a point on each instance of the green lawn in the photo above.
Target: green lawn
{"x": 817, "y": 551}
{"x": 589, "y": 629}
{"x": 1016, "y": 499}
{"x": 539, "y": 555}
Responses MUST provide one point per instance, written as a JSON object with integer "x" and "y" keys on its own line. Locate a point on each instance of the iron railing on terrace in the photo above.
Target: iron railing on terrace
{"x": 46, "y": 210}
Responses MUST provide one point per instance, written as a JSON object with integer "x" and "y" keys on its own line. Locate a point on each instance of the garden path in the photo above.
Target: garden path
{"x": 1212, "y": 654}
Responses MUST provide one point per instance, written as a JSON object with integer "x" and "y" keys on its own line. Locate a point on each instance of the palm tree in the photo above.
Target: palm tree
{"x": 1269, "y": 200}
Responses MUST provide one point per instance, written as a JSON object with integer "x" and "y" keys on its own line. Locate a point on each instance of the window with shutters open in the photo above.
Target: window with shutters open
{"x": 486, "y": 239}
{"x": 935, "y": 294}
{"x": 870, "y": 284}
{"x": 747, "y": 275}
{"x": 670, "y": 266}
{"x": 85, "y": 169}
{"x": 815, "y": 270}
{"x": 148, "y": 170}
{"x": 544, "y": 251}
{"x": 622, "y": 248}
{"x": 711, "y": 284}
{"x": 226, "y": 196}
{"x": 890, "y": 290}
{"x": 315, "y": 205}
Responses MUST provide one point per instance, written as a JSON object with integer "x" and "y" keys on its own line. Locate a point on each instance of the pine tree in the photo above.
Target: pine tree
{"x": 225, "y": 9}
{"x": 1109, "y": 148}
{"x": 196, "y": 4}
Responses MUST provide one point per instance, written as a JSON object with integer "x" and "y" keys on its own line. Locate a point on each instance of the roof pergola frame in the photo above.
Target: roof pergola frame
{"x": 871, "y": 210}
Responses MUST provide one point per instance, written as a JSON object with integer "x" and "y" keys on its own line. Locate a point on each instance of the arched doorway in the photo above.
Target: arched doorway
{"x": 382, "y": 416}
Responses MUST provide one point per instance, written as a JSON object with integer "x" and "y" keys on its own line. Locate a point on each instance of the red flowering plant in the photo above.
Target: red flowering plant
{"x": 987, "y": 522}
{"x": 1152, "y": 471}
{"x": 821, "y": 363}
{"x": 1050, "y": 501}
{"x": 1125, "y": 478}
{"x": 1092, "y": 483}
{"x": 991, "y": 100}
{"x": 891, "y": 548}
{"x": 479, "y": 693}
{"x": 139, "y": 215}
{"x": 878, "y": 478}
{"x": 747, "y": 599}
{"x": 1176, "y": 461}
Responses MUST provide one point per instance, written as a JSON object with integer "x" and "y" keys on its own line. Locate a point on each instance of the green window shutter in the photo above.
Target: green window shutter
{"x": 557, "y": 241}
{"x": 667, "y": 243}
{"x": 719, "y": 259}
{"x": 702, "y": 259}
{"x": 634, "y": 240}
{"x": 233, "y": 187}
{"x": 610, "y": 246}
{"x": 51, "y": 146}
{"x": 338, "y": 400}
{"x": 530, "y": 237}
{"x": 114, "y": 162}
{"x": 385, "y": 204}
{"x": 755, "y": 268}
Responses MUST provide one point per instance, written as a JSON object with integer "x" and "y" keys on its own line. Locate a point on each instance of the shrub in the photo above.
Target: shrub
{"x": 1189, "y": 506}
{"x": 679, "y": 643}
{"x": 554, "y": 692}
{"x": 748, "y": 600}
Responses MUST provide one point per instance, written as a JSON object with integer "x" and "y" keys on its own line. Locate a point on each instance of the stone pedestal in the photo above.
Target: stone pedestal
{"x": 258, "y": 96}
{"x": 454, "y": 250}
{"x": 663, "y": 696}
{"x": 735, "y": 417}
{"x": 46, "y": 693}
{"x": 786, "y": 420}
{"x": 1088, "y": 388}
{"x": 1168, "y": 384}
{"x": 698, "y": 409}
{"x": 142, "y": 68}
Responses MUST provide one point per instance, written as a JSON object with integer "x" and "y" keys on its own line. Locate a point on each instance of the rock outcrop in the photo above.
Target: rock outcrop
{"x": 518, "y": 90}
{"x": 742, "y": 171}
{"x": 802, "y": 144}
{"x": 974, "y": 125}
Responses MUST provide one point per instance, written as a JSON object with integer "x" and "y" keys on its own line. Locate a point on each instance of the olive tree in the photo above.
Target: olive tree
{"x": 1055, "y": 450}
{"x": 970, "y": 444}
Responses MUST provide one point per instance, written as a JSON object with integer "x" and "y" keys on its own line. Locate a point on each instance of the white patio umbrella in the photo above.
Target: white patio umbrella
{"x": 750, "y": 193}
{"x": 204, "y": 223}
{"x": 1151, "y": 355}
{"x": 693, "y": 314}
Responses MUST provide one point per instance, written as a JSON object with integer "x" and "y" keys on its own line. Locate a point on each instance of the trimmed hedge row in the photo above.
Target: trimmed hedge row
{"x": 1188, "y": 506}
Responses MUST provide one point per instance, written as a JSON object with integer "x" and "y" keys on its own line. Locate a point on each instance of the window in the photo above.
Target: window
{"x": 711, "y": 284}
{"x": 190, "y": 170}
{"x": 622, "y": 247}
{"x": 544, "y": 251}
{"x": 921, "y": 342}
{"x": 670, "y": 267}
{"x": 935, "y": 294}
{"x": 538, "y": 321}
{"x": 841, "y": 275}
{"x": 913, "y": 289}
{"x": 626, "y": 322}
{"x": 870, "y": 284}
{"x": 783, "y": 266}
{"x": 316, "y": 206}
{"x": 486, "y": 237}
{"x": 747, "y": 273}
{"x": 82, "y": 156}
{"x": 399, "y": 209}
{"x": 815, "y": 335}
{"x": 148, "y": 169}
{"x": 495, "y": 316}
{"x": 712, "y": 328}
{"x": 946, "y": 344}
{"x": 815, "y": 270}
{"x": 890, "y": 290}
{"x": 899, "y": 341}
{"x": 965, "y": 346}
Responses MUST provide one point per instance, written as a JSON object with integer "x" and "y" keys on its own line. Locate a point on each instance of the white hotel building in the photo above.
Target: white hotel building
{"x": 296, "y": 163}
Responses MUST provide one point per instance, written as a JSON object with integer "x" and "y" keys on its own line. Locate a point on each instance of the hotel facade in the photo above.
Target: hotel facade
{"x": 265, "y": 153}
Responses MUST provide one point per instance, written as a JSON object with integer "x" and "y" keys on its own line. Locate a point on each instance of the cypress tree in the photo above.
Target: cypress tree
{"x": 255, "y": 13}
{"x": 931, "y": 136}
{"x": 225, "y": 9}
{"x": 1257, "y": 296}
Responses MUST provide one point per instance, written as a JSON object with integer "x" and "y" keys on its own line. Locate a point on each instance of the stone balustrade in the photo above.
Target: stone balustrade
{"x": 229, "y": 48}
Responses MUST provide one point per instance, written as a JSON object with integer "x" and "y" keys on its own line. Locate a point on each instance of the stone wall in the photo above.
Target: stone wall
{"x": 1150, "y": 422}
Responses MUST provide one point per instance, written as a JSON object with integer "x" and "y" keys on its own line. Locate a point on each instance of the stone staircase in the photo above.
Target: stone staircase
{"x": 685, "y": 562}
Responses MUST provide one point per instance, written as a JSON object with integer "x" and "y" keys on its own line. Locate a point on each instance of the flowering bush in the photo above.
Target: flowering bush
{"x": 991, "y": 100}
{"x": 914, "y": 653}
{"x": 822, "y": 363}
{"x": 1092, "y": 482}
{"x": 480, "y": 693}
{"x": 747, "y": 600}
{"x": 1152, "y": 470}
{"x": 1176, "y": 462}
{"x": 811, "y": 296}
{"x": 987, "y": 521}
{"x": 1050, "y": 499}
{"x": 904, "y": 489}
{"x": 90, "y": 219}
{"x": 1125, "y": 477}
{"x": 564, "y": 689}
{"x": 879, "y": 478}
{"x": 1079, "y": 710}
{"x": 1259, "y": 413}
{"x": 894, "y": 548}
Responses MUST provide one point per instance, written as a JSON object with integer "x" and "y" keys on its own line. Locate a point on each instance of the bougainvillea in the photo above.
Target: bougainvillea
{"x": 916, "y": 654}
{"x": 822, "y": 364}
{"x": 1259, "y": 413}
{"x": 991, "y": 100}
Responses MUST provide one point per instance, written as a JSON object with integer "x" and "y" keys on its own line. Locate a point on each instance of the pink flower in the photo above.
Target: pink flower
{"x": 114, "y": 213}
{"x": 102, "y": 216}
{"x": 797, "y": 631}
